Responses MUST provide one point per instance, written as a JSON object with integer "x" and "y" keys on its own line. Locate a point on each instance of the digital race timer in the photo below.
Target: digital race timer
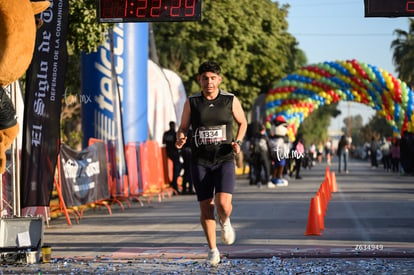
{"x": 148, "y": 10}
{"x": 389, "y": 8}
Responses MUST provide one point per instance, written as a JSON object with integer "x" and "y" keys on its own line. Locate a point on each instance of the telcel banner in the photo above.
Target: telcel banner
{"x": 130, "y": 58}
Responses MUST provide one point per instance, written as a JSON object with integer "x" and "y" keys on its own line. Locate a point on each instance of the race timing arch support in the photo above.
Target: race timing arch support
{"x": 299, "y": 94}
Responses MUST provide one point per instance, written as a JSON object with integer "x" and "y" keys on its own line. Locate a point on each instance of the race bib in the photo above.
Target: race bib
{"x": 211, "y": 135}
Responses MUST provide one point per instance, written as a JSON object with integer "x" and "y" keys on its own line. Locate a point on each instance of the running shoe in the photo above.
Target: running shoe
{"x": 228, "y": 235}
{"x": 213, "y": 257}
{"x": 281, "y": 182}
{"x": 270, "y": 184}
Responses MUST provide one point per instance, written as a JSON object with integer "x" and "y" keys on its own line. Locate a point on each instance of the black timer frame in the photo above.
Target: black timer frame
{"x": 389, "y": 8}
{"x": 117, "y": 11}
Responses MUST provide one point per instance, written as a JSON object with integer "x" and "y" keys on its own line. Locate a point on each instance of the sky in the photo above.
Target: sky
{"x": 331, "y": 30}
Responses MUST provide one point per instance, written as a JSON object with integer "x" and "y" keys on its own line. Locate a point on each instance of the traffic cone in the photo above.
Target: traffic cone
{"x": 334, "y": 187}
{"x": 327, "y": 190}
{"x": 328, "y": 177}
{"x": 323, "y": 200}
{"x": 313, "y": 227}
{"x": 320, "y": 213}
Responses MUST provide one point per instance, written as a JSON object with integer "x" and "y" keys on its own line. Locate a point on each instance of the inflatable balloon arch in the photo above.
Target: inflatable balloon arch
{"x": 299, "y": 94}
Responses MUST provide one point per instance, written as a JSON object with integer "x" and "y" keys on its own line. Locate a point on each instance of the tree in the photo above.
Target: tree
{"x": 354, "y": 123}
{"x": 313, "y": 128}
{"x": 403, "y": 56}
{"x": 378, "y": 126}
{"x": 248, "y": 38}
{"x": 85, "y": 34}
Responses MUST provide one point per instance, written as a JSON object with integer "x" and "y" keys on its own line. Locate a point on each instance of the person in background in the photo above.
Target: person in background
{"x": 279, "y": 151}
{"x": 211, "y": 115}
{"x": 373, "y": 150}
{"x": 395, "y": 156}
{"x": 343, "y": 153}
{"x": 260, "y": 154}
{"x": 186, "y": 155}
{"x": 297, "y": 153}
{"x": 386, "y": 154}
{"x": 320, "y": 152}
{"x": 328, "y": 152}
{"x": 313, "y": 154}
{"x": 252, "y": 130}
{"x": 169, "y": 138}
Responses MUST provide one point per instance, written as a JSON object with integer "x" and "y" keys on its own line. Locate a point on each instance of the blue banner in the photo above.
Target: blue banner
{"x": 130, "y": 58}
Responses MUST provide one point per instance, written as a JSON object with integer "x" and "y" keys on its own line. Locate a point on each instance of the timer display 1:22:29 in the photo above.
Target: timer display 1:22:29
{"x": 148, "y": 10}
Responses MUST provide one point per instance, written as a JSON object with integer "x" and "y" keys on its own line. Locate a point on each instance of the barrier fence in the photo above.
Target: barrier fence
{"x": 88, "y": 179}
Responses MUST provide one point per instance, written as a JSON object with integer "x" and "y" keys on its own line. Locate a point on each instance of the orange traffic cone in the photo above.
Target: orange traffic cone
{"x": 328, "y": 177}
{"x": 327, "y": 189}
{"x": 320, "y": 213}
{"x": 313, "y": 222}
{"x": 334, "y": 187}
{"x": 323, "y": 200}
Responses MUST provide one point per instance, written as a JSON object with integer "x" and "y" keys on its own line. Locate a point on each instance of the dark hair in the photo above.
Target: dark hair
{"x": 209, "y": 66}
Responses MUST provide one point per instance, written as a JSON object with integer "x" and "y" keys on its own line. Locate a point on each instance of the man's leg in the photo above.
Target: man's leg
{"x": 208, "y": 221}
{"x": 224, "y": 206}
{"x": 209, "y": 226}
{"x": 224, "y": 209}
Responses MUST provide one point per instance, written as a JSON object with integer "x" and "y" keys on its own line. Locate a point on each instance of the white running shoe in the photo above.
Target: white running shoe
{"x": 228, "y": 235}
{"x": 282, "y": 182}
{"x": 271, "y": 185}
{"x": 213, "y": 257}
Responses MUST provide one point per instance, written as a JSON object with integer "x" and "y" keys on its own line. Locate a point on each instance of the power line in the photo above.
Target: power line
{"x": 342, "y": 34}
{"x": 324, "y": 4}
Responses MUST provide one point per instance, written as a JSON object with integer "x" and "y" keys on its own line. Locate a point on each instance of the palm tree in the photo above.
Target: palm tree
{"x": 403, "y": 57}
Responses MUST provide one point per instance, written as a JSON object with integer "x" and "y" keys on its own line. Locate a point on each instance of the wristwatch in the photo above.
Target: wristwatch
{"x": 239, "y": 142}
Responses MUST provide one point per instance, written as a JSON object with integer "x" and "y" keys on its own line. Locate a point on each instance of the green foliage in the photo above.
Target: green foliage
{"x": 85, "y": 33}
{"x": 378, "y": 126}
{"x": 403, "y": 56}
{"x": 313, "y": 128}
{"x": 248, "y": 38}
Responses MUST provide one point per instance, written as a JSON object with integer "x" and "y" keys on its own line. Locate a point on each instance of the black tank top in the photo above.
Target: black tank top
{"x": 212, "y": 123}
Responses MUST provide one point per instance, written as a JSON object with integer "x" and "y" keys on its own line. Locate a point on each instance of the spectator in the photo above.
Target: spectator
{"x": 279, "y": 151}
{"x": 186, "y": 155}
{"x": 386, "y": 154}
{"x": 252, "y": 130}
{"x": 297, "y": 153}
{"x": 373, "y": 150}
{"x": 328, "y": 151}
{"x": 260, "y": 154}
{"x": 169, "y": 138}
{"x": 343, "y": 153}
{"x": 395, "y": 156}
{"x": 320, "y": 152}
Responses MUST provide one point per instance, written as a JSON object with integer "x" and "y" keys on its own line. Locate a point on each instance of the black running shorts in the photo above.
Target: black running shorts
{"x": 209, "y": 180}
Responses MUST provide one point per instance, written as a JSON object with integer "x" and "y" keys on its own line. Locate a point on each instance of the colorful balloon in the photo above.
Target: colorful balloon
{"x": 299, "y": 94}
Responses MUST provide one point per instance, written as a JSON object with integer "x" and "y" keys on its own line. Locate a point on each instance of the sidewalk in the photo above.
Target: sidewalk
{"x": 370, "y": 217}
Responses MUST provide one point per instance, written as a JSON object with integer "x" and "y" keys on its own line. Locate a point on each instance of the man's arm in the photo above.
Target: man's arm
{"x": 185, "y": 124}
{"x": 240, "y": 118}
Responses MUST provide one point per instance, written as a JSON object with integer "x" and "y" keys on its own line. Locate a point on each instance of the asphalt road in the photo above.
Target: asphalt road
{"x": 372, "y": 212}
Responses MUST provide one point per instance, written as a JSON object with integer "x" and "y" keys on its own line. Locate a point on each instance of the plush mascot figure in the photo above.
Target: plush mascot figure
{"x": 280, "y": 150}
{"x": 17, "y": 41}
